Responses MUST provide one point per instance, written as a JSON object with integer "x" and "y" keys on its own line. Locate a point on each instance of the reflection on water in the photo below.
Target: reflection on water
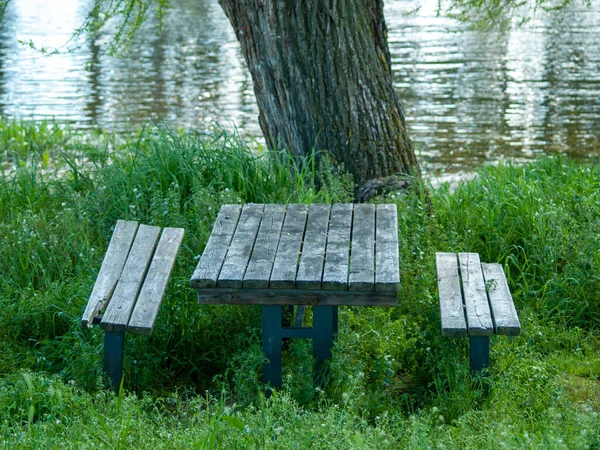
{"x": 468, "y": 100}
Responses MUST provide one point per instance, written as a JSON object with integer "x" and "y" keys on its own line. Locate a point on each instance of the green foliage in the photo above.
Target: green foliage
{"x": 500, "y": 15}
{"x": 122, "y": 17}
{"x": 394, "y": 382}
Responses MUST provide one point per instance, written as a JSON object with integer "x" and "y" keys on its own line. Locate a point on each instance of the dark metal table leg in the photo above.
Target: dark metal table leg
{"x": 113, "y": 358}
{"x": 271, "y": 344}
{"x": 479, "y": 347}
{"x": 324, "y": 322}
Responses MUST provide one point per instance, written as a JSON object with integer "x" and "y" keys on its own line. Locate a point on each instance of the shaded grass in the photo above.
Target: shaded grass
{"x": 394, "y": 382}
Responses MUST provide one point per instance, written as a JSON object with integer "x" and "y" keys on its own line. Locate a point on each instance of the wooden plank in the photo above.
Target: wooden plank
{"x": 118, "y": 311}
{"x": 263, "y": 254}
{"x": 148, "y": 303}
{"x": 288, "y": 250}
{"x": 335, "y": 272}
{"x": 504, "y": 314}
{"x": 387, "y": 268}
{"x": 479, "y": 318}
{"x": 310, "y": 269}
{"x": 295, "y": 297}
{"x": 362, "y": 253}
{"x": 111, "y": 269}
{"x": 240, "y": 249}
{"x": 451, "y": 303}
{"x": 208, "y": 268}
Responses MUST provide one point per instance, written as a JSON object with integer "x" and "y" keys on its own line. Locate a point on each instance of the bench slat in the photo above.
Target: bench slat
{"x": 387, "y": 270}
{"x": 479, "y": 319}
{"x": 504, "y": 314}
{"x": 111, "y": 269}
{"x": 118, "y": 311}
{"x": 208, "y": 268}
{"x": 335, "y": 272}
{"x": 451, "y": 304}
{"x": 148, "y": 303}
{"x": 290, "y": 243}
{"x": 261, "y": 261}
{"x": 362, "y": 253}
{"x": 240, "y": 249}
{"x": 310, "y": 270}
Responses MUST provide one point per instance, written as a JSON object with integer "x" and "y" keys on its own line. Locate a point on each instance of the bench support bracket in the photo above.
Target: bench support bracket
{"x": 113, "y": 358}
{"x": 479, "y": 348}
{"x": 325, "y": 325}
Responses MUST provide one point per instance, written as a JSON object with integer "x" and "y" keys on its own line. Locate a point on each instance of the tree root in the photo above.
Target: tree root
{"x": 379, "y": 186}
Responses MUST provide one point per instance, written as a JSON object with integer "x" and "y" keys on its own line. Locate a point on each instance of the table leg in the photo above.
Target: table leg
{"x": 271, "y": 344}
{"x": 324, "y": 324}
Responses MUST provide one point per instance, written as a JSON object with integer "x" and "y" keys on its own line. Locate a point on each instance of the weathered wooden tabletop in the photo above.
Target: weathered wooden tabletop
{"x": 341, "y": 254}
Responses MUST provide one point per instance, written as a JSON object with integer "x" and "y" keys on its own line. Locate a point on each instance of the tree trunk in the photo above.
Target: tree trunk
{"x": 322, "y": 77}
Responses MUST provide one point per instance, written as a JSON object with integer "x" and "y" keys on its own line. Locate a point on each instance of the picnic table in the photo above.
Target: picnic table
{"x": 292, "y": 256}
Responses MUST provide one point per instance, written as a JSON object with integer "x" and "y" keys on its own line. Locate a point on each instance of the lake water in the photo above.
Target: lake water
{"x": 469, "y": 100}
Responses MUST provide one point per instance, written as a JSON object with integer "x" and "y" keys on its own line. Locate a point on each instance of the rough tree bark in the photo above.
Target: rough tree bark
{"x": 322, "y": 78}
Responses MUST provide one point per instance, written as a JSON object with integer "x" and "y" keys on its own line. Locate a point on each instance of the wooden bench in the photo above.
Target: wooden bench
{"x": 475, "y": 301}
{"x": 319, "y": 255}
{"x": 130, "y": 287}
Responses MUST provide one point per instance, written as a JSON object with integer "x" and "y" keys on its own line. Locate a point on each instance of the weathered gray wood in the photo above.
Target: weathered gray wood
{"x": 208, "y": 268}
{"x": 479, "y": 319}
{"x": 387, "y": 269}
{"x": 337, "y": 262}
{"x": 296, "y": 297}
{"x": 288, "y": 250}
{"x": 111, "y": 269}
{"x": 451, "y": 303}
{"x": 152, "y": 292}
{"x": 240, "y": 249}
{"x": 504, "y": 314}
{"x": 118, "y": 311}
{"x": 310, "y": 269}
{"x": 259, "y": 268}
{"x": 362, "y": 253}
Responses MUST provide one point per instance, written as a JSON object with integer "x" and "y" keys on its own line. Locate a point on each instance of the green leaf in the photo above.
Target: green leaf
{"x": 234, "y": 422}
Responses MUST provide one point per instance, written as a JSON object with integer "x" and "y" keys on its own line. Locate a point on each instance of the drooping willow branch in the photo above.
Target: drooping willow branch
{"x": 126, "y": 17}
{"x": 499, "y": 15}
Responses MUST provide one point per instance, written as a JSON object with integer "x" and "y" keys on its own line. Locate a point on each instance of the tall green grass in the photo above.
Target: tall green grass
{"x": 394, "y": 381}
{"x": 56, "y": 225}
{"x": 543, "y": 222}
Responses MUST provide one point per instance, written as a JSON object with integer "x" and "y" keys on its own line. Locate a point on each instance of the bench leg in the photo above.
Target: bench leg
{"x": 271, "y": 344}
{"x": 113, "y": 357}
{"x": 479, "y": 347}
{"x": 324, "y": 326}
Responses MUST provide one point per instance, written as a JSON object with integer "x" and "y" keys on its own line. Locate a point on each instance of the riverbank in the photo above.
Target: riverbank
{"x": 395, "y": 382}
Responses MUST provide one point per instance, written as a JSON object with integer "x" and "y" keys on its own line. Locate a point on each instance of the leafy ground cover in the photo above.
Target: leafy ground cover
{"x": 394, "y": 381}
